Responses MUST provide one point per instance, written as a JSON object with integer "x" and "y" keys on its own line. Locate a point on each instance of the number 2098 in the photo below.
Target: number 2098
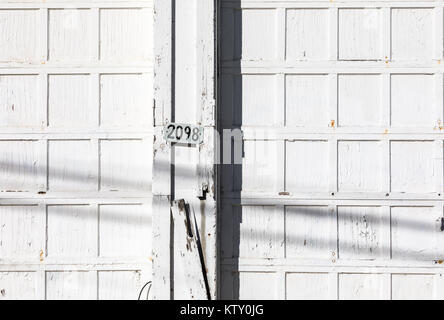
{"x": 183, "y": 133}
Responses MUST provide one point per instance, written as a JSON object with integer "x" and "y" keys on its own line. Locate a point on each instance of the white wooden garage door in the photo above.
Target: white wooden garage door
{"x": 75, "y": 149}
{"x": 340, "y": 194}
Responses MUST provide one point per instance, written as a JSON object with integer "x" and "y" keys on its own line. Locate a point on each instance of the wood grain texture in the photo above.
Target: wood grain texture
{"x": 19, "y": 36}
{"x": 360, "y": 91}
{"x": 77, "y": 110}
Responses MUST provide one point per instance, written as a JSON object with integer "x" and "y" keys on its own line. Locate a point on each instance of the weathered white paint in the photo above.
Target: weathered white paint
{"x": 299, "y": 78}
{"x": 194, "y": 102}
{"x": 76, "y": 149}
{"x": 163, "y": 84}
{"x": 356, "y": 286}
{"x": 304, "y": 221}
{"x": 189, "y": 280}
{"x": 127, "y": 282}
{"x": 307, "y": 44}
{"x": 20, "y": 29}
{"x": 359, "y": 34}
{"x": 19, "y": 285}
{"x": 317, "y": 286}
{"x": 191, "y": 101}
{"x": 306, "y": 100}
{"x": 339, "y": 195}
{"x": 18, "y": 93}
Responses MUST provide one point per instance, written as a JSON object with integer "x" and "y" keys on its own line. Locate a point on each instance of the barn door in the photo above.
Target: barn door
{"x": 338, "y": 194}
{"x": 75, "y": 149}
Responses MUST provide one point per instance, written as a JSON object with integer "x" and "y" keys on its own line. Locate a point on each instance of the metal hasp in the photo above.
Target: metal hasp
{"x": 190, "y": 272}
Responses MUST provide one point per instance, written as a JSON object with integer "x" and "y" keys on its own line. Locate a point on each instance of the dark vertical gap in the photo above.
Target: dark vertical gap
{"x": 230, "y": 174}
{"x": 173, "y": 117}
{"x": 218, "y": 144}
{"x": 173, "y": 62}
{"x": 171, "y": 258}
{"x": 173, "y": 93}
{"x": 237, "y": 164}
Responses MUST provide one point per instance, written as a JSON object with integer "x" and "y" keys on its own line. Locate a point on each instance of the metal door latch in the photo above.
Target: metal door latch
{"x": 202, "y": 191}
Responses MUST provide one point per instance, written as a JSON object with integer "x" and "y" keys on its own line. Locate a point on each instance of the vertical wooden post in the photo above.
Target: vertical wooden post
{"x": 206, "y": 80}
{"x": 166, "y": 68}
{"x": 163, "y": 77}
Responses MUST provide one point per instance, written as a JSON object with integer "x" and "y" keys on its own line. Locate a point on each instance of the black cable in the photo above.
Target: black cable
{"x": 144, "y": 286}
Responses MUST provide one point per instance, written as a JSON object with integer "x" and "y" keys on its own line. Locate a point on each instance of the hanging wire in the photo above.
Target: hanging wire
{"x": 150, "y": 283}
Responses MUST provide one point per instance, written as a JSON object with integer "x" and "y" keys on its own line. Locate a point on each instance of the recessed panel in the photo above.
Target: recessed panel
{"x": 69, "y": 101}
{"x": 20, "y": 30}
{"x": 412, "y": 166}
{"x": 360, "y": 165}
{"x": 306, "y": 101}
{"x": 260, "y": 169}
{"x": 72, "y": 165}
{"x": 412, "y": 33}
{"x": 70, "y": 36}
{"x": 19, "y": 165}
{"x": 260, "y": 232}
{"x": 126, "y": 100}
{"x": 307, "y": 34}
{"x": 413, "y": 287}
{"x": 119, "y": 285}
{"x": 22, "y": 232}
{"x": 307, "y": 166}
{"x": 19, "y": 101}
{"x": 258, "y": 105}
{"x": 71, "y": 285}
{"x": 364, "y": 287}
{"x": 360, "y": 34}
{"x": 132, "y": 224}
{"x": 72, "y": 231}
{"x": 257, "y": 286}
{"x": 363, "y": 233}
{"x": 256, "y": 37}
{"x": 359, "y": 100}
{"x": 310, "y": 232}
{"x": 413, "y": 100}
{"x": 125, "y": 165}
{"x": 126, "y": 34}
{"x": 308, "y": 286}
{"x": 416, "y": 233}
{"x": 18, "y": 286}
